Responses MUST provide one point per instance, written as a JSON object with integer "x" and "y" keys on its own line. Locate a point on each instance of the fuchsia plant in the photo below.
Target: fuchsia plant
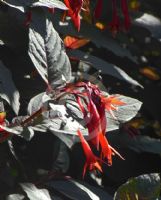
{"x": 60, "y": 63}
{"x": 95, "y": 106}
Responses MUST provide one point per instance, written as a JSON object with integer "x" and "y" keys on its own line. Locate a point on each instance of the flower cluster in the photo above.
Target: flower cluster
{"x": 75, "y": 7}
{"x": 96, "y": 104}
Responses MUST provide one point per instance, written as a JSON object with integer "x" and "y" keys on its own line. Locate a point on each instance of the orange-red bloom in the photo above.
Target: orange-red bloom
{"x": 95, "y": 120}
{"x": 74, "y": 7}
{"x": 111, "y": 103}
{"x": 91, "y": 160}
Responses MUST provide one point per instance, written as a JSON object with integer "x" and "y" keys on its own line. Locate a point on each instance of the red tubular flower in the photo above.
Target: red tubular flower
{"x": 81, "y": 105}
{"x": 115, "y": 24}
{"x": 74, "y": 7}
{"x": 95, "y": 119}
{"x": 125, "y": 12}
{"x": 94, "y": 124}
{"x": 105, "y": 148}
{"x": 91, "y": 159}
{"x": 98, "y": 9}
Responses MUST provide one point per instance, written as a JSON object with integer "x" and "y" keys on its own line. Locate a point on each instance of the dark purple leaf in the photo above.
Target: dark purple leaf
{"x": 47, "y": 52}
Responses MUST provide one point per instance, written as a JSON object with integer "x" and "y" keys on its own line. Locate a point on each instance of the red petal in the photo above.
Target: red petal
{"x": 103, "y": 121}
{"x": 91, "y": 159}
{"x": 94, "y": 126}
{"x": 74, "y": 10}
{"x": 116, "y": 152}
{"x": 125, "y": 12}
{"x": 111, "y": 102}
{"x": 106, "y": 150}
{"x": 98, "y": 10}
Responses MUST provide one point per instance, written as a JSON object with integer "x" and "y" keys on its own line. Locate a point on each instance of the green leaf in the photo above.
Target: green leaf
{"x": 143, "y": 187}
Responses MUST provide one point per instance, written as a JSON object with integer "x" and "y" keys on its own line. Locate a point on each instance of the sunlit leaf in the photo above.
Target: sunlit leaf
{"x": 50, "y": 4}
{"x": 23, "y": 4}
{"x": 47, "y": 51}
{"x": 20, "y": 5}
{"x": 152, "y": 23}
{"x": 34, "y": 193}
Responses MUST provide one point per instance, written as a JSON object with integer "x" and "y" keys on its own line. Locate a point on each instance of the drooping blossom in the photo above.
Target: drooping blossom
{"x": 91, "y": 160}
{"x": 115, "y": 24}
{"x": 95, "y": 120}
{"x": 98, "y": 9}
{"x": 124, "y": 7}
{"x": 74, "y": 8}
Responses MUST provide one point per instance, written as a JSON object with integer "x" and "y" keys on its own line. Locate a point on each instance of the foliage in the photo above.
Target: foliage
{"x": 136, "y": 188}
{"x": 63, "y": 62}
